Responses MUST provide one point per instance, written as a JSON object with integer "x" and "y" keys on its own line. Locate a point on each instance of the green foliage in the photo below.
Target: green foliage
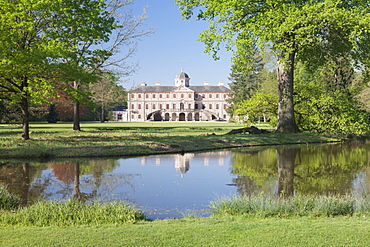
{"x": 259, "y": 106}
{"x": 8, "y": 201}
{"x": 72, "y": 213}
{"x": 325, "y": 102}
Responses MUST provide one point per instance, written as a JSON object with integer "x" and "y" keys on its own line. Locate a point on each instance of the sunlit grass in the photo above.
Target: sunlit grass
{"x": 126, "y": 139}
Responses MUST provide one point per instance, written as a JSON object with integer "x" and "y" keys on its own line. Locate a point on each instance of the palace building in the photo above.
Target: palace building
{"x": 181, "y": 102}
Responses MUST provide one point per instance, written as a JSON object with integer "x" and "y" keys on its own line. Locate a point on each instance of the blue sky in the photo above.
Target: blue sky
{"x": 173, "y": 46}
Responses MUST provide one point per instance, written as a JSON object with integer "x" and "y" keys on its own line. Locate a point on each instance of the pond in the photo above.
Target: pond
{"x": 176, "y": 185}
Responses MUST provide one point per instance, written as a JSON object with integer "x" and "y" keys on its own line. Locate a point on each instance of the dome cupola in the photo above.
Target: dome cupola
{"x": 182, "y": 79}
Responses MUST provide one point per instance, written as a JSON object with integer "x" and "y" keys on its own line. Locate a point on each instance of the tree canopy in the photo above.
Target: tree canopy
{"x": 307, "y": 31}
{"x": 50, "y": 42}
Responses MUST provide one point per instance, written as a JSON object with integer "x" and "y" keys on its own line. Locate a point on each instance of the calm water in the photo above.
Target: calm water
{"x": 167, "y": 186}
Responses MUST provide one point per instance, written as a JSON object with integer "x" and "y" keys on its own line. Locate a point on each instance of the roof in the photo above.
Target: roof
{"x": 210, "y": 89}
{"x": 182, "y": 74}
{"x": 167, "y": 89}
{"x": 119, "y": 108}
{"x": 153, "y": 89}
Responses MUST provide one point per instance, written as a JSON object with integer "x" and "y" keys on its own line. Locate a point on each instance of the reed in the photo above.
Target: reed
{"x": 72, "y": 213}
{"x": 299, "y": 205}
{"x": 8, "y": 201}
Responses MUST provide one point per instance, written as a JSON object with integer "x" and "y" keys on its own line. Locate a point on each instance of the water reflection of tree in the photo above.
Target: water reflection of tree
{"x": 286, "y": 163}
{"x": 324, "y": 169}
{"x": 85, "y": 180}
{"x": 18, "y": 178}
{"x": 92, "y": 180}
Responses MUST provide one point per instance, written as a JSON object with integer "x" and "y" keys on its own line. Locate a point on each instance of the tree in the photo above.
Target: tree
{"x": 260, "y": 105}
{"x": 121, "y": 40}
{"x": 40, "y": 40}
{"x": 245, "y": 79}
{"x": 298, "y": 31}
{"x": 106, "y": 94}
{"x": 325, "y": 99}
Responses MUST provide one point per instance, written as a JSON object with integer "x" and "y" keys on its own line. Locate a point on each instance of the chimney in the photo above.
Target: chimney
{"x": 206, "y": 83}
{"x": 220, "y": 83}
{"x": 157, "y": 83}
{"x": 143, "y": 84}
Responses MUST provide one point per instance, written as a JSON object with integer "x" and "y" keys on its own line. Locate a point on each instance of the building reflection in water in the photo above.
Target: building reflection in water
{"x": 182, "y": 161}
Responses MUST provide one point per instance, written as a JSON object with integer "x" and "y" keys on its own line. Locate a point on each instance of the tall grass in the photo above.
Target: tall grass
{"x": 72, "y": 213}
{"x": 267, "y": 205}
{"x": 8, "y": 201}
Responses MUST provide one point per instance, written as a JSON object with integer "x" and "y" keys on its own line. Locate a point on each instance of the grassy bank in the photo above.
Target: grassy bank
{"x": 248, "y": 221}
{"x": 231, "y": 231}
{"x": 134, "y": 139}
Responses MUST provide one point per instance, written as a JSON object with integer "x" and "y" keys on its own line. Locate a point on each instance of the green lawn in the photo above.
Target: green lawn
{"x": 134, "y": 139}
{"x": 233, "y": 231}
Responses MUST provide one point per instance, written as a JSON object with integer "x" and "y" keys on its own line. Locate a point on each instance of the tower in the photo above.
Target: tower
{"x": 182, "y": 79}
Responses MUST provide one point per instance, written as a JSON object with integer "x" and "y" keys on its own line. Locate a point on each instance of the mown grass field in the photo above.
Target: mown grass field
{"x": 134, "y": 139}
{"x": 213, "y": 231}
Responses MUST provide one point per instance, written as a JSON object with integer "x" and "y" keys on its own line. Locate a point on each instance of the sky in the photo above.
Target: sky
{"x": 172, "y": 47}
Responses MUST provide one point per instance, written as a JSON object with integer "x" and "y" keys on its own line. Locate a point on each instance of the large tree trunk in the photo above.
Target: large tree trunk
{"x": 286, "y": 121}
{"x": 25, "y": 118}
{"x": 76, "y": 116}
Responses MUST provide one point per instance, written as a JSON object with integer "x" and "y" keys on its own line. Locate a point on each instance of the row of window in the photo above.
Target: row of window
{"x": 139, "y": 116}
{"x": 174, "y": 106}
{"x": 174, "y": 96}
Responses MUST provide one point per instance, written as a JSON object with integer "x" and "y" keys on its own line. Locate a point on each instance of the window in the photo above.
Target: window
{"x": 167, "y": 96}
{"x": 139, "y": 96}
{"x": 153, "y": 106}
{"x": 160, "y": 96}
{"x": 132, "y": 106}
{"x": 210, "y": 106}
{"x": 153, "y": 96}
{"x": 196, "y": 106}
{"x": 167, "y": 106}
{"x": 174, "y": 106}
{"x": 160, "y": 106}
{"x": 189, "y": 96}
{"x": 217, "y": 106}
{"x": 139, "y": 106}
{"x": 210, "y": 96}
{"x": 182, "y": 96}
{"x": 225, "y": 106}
{"x": 139, "y": 117}
{"x": 174, "y": 96}
{"x": 189, "y": 106}
{"x": 146, "y": 106}
{"x": 181, "y": 106}
{"x": 146, "y": 95}
{"x": 217, "y": 96}
{"x": 132, "y": 96}
{"x": 225, "y": 96}
{"x": 204, "y": 96}
{"x": 119, "y": 117}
